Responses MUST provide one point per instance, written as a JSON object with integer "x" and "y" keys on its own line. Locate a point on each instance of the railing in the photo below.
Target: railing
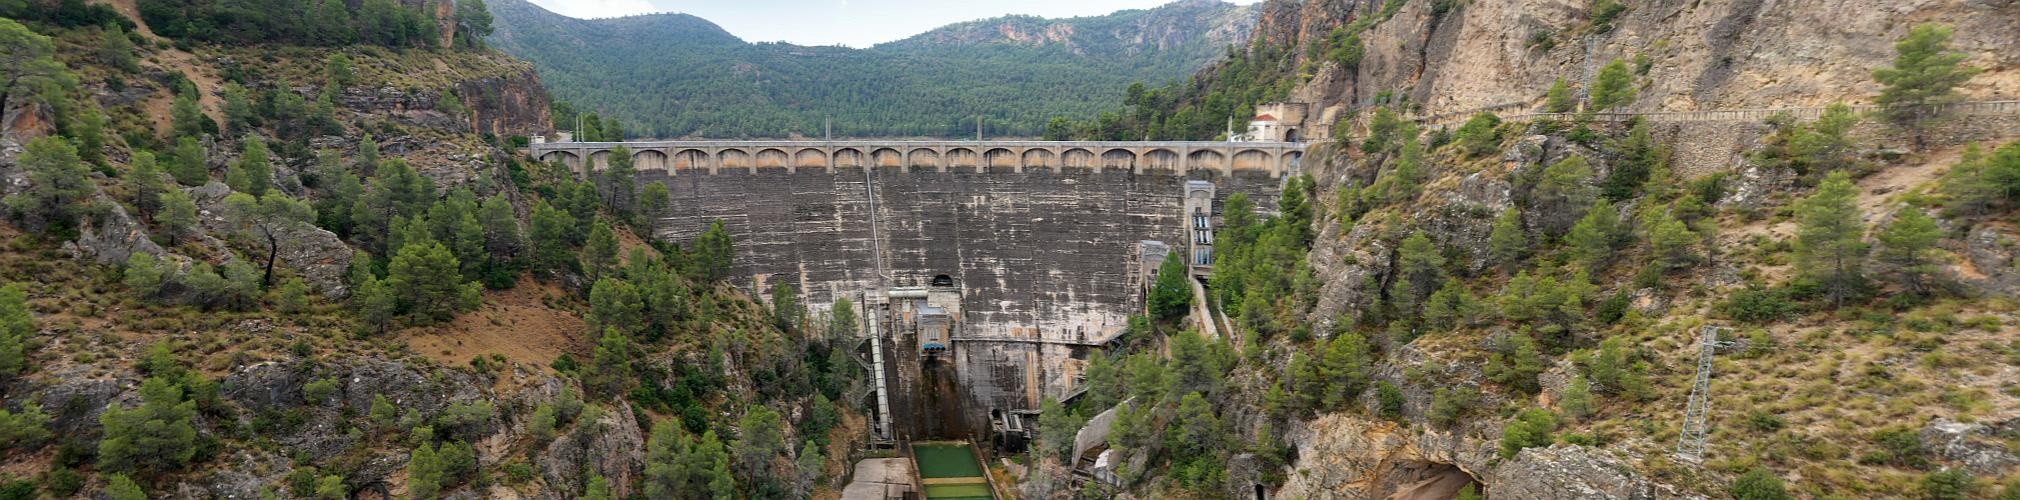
{"x": 1756, "y": 115}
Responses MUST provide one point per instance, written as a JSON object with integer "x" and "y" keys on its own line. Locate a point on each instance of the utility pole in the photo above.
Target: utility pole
{"x": 978, "y": 128}
{"x": 829, "y": 125}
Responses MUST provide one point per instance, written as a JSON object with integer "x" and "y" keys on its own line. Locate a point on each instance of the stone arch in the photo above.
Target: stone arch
{"x": 1206, "y": 159}
{"x": 1290, "y": 161}
{"x": 600, "y": 160}
{"x": 1077, "y": 158}
{"x": 849, "y": 157}
{"x": 810, "y": 158}
{"x": 1118, "y": 158}
{"x": 887, "y": 158}
{"x": 1160, "y": 159}
{"x": 1253, "y": 159}
{"x": 649, "y": 160}
{"x": 735, "y": 158}
{"x": 963, "y": 158}
{"x": 772, "y": 158}
{"x": 1038, "y": 158}
{"x": 923, "y": 158}
{"x": 568, "y": 159}
{"x": 688, "y": 159}
{"x": 1001, "y": 159}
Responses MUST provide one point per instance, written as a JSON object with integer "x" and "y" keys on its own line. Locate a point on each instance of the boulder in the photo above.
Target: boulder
{"x": 1979, "y": 447}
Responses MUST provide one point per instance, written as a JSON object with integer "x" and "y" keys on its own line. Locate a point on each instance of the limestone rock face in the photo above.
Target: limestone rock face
{"x": 1342, "y": 456}
{"x": 1978, "y": 446}
{"x": 113, "y": 236}
{"x": 1991, "y": 261}
{"x": 1575, "y": 472}
{"x": 613, "y": 447}
{"x": 314, "y": 253}
{"x": 514, "y": 104}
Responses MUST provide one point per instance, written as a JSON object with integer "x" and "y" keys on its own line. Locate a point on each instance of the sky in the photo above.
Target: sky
{"x": 855, "y": 23}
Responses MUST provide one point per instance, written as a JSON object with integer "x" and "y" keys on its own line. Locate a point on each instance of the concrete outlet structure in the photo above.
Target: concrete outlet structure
{"x": 1030, "y": 250}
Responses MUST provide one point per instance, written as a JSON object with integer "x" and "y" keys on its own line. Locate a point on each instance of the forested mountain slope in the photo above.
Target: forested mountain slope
{"x": 671, "y": 75}
{"x": 282, "y": 249}
{"x": 1461, "y": 297}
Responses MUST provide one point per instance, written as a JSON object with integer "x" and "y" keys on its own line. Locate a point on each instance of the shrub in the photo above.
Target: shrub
{"x": 1448, "y": 404}
{"x": 1758, "y": 484}
{"x": 1948, "y": 484}
{"x": 1391, "y": 399}
{"x": 1529, "y": 429}
{"x": 1758, "y": 304}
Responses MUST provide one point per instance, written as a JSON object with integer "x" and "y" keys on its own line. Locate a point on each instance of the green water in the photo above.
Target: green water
{"x": 937, "y": 460}
{"x": 950, "y": 460}
{"x": 958, "y": 492}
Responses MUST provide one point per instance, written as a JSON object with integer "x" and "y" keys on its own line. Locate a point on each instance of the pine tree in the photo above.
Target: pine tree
{"x": 1530, "y": 428}
{"x": 58, "y": 186}
{"x": 1671, "y": 241}
{"x": 1614, "y": 87}
{"x": 116, "y": 50}
{"x": 1345, "y": 369}
{"x": 17, "y": 327}
{"x": 340, "y": 72}
{"x": 144, "y": 274}
{"x": 239, "y": 114}
{"x": 269, "y": 220}
{"x": 1508, "y": 244}
{"x": 1422, "y": 269}
{"x": 157, "y": 437}
{"x": 1926, "y": 73}
{"x": 1592, "y": 239}
{"x": 1907, "y": 242}
{"x": 253, "y": 172}
{"x": 1639, "y": 157}
{"x": 712, "y": 254}
{"x": 760, "y": 437}
{"x": 810, "y": 464}
{"x": 598, "y": 489}
{"x": 89, "y": 132}
{"x": 550, "y": 228}
{"x": 188, "y": 119}
{"x": 1171, "y": 296}
{"x": 1559, "y": 99}
{"x": 424, "y": 472}
{"x": 1576, "y": 400}
{"x": 1561, "y": 195}
{"x": 599, "y": 256}
{"x": 652, "y": 203}
{"x": 610, "y": 367}
{"x": 178, "y": 215}
{"x": 120, "y": 487}
{"x": 145, "y": 184}
{"x": 1829, "y": 247}
{"x": 425, "y": 278}
{"x": 615, "y": 303}
{"x": 191, "y": 165}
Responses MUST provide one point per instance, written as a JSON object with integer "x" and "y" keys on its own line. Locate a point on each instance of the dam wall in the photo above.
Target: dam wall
{"x": 1042, "y": 259}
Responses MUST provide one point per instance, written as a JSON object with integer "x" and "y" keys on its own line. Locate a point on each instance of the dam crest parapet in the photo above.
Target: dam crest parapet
{"x": 1138, "y": 157}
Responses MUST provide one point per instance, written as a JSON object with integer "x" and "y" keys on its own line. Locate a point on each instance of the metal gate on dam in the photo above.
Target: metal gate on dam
{"x": 1038, "y": 243}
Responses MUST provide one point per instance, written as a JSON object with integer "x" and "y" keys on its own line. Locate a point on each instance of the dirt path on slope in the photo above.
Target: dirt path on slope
{"x": 172, "y": 59}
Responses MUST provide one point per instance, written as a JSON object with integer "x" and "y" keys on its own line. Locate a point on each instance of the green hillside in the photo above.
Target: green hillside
{"x": 670, "y": 75}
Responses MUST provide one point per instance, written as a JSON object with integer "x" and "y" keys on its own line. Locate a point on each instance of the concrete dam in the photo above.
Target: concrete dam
{"x": 998, "y": 265}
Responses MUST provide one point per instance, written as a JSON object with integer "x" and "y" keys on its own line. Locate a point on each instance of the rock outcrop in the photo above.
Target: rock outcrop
{"x": 316, "y": 254}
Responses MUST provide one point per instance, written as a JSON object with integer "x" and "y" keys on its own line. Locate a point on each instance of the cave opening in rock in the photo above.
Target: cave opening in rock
{"x": 1422, "y": 480}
